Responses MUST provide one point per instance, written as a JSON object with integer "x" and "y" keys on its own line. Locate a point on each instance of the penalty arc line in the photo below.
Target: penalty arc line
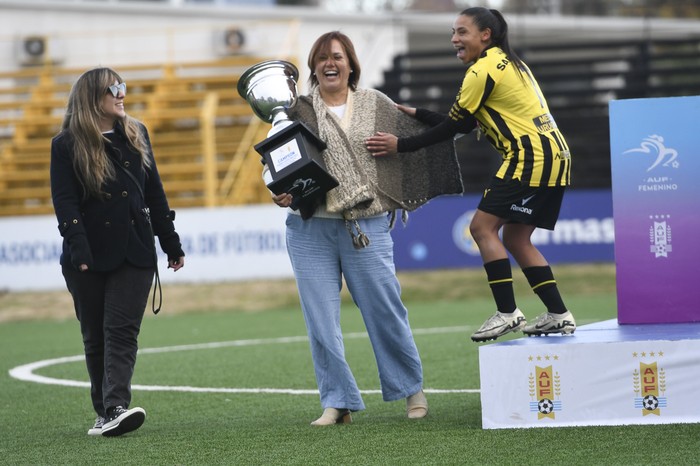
{"x": 26, "y": 373}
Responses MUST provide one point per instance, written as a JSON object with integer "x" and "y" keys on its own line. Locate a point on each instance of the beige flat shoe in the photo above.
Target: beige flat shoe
{"x": 417, "y": 406}
{"x": 333, "y": 416}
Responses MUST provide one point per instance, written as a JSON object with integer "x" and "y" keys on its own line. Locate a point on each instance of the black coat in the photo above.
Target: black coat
{"x": 106, "y": 232}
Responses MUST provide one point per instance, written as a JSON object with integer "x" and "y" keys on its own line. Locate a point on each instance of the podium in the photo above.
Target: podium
{"x": 643, "y": 367}
{"x": 605, "y": 374}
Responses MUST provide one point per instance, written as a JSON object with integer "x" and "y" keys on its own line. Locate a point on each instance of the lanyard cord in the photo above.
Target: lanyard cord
{"x": 147, "y": 213}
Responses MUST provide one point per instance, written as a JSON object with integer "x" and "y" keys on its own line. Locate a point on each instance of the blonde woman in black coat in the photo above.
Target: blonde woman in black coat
{"x": 109, "y": 202}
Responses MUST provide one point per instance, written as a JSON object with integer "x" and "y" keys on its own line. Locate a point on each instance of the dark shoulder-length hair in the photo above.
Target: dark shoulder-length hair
{"x": 485, "y": 18}
{"x": 323, "y": 46}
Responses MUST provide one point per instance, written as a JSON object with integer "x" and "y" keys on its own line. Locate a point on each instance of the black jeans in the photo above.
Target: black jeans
{"x": 110, "y": 308}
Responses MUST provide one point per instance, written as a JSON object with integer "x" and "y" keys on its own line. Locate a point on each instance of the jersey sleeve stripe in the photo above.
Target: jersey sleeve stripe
{"x": 560, "y": 141}
{"x": 562, "y": 173}
{"x": 528, "y": 160}
{"x": 488, "y": 89}
{"x": 547, "y": 163}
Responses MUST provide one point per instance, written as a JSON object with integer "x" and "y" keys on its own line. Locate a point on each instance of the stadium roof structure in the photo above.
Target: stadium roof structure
{"x": 536, "y": 28}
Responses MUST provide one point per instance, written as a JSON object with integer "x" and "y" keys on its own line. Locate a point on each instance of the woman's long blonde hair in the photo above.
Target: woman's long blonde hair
{"x": 82, "y": 125}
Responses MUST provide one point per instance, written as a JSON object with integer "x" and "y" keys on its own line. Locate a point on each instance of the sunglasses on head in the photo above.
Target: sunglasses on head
{"x": 115, "y": 88}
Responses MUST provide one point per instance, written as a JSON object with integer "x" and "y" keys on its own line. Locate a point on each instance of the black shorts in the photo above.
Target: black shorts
{"x": 518, "y": 203}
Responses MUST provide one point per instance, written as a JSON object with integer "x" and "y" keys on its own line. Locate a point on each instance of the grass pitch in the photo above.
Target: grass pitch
{"x": 216, "y": 346}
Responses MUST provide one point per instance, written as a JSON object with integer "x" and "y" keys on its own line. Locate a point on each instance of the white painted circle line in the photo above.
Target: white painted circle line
{"x": 26, "y": 373}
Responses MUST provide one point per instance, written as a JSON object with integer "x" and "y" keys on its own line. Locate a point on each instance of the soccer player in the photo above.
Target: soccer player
{"x": 501, "y": 98}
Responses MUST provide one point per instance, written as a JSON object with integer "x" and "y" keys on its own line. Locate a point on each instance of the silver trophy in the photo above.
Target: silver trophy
{"x": 291, "y": 150}
{"x": 270, "y": 88}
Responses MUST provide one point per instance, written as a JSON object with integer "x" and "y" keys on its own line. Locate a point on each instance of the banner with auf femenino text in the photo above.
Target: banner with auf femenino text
{"x": 655, "y": 159}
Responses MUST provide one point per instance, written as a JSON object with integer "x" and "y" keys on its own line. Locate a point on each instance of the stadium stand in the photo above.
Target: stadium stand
{"x": 579, "y": 79}
{"x": 202, "y": 131}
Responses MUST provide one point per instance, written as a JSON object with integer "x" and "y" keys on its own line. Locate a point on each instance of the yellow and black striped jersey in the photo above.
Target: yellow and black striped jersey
{"x": 514, "y": 116}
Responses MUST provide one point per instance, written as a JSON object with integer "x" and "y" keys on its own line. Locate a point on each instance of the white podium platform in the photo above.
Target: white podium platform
{"x": 604, "y": 374}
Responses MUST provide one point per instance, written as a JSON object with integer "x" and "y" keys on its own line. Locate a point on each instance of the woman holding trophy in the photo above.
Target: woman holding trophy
{"x": 346, "y": 232}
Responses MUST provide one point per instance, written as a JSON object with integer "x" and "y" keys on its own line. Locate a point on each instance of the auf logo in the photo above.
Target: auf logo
{"x": 664, "y": 156}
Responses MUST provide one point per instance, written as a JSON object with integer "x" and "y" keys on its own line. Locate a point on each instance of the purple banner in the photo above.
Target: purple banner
{"x": 655, "y": 159}
{"x": 437, "y": 235}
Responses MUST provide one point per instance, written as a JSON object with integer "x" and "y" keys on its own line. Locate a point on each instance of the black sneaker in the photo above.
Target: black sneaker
{"x": 120, "y": 421}
{"x": 97, "y": 427}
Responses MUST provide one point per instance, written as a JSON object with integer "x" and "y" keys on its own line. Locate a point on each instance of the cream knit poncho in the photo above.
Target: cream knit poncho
{"x": 371, "y": 185}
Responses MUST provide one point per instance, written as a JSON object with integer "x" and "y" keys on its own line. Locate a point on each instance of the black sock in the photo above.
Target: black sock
{"x": 541, "y": 279}
{"x": 500, "y": 279}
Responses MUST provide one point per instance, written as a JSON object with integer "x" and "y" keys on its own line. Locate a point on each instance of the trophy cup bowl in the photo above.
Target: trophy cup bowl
{"x": 270, "y": 88}
{"x": 292, "y": 151}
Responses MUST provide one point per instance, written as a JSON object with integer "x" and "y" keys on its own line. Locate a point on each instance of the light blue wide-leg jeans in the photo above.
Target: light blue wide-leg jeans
{"x": 321, "y": 253}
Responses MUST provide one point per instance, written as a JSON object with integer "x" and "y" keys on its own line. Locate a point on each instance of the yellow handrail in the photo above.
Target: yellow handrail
{"x": 234, "y": 169}
{"x": 207, "y": 127}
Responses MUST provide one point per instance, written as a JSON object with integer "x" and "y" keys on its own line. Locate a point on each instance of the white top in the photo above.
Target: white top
{"x": 339, "y": 110}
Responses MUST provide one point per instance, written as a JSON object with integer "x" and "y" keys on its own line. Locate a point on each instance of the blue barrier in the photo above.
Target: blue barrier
{"x": 437, "y": 235}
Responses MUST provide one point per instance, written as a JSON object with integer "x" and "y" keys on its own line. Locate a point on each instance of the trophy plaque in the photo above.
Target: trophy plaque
{"x": 291, "y": 150}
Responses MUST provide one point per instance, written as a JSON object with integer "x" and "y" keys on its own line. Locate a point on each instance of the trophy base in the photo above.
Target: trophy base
{"x": 305, "y": 184}
{"x": 292, "y": 156}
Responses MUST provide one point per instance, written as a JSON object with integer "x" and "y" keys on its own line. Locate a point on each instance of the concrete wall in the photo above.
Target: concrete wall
{"x": 84, "y": 35}
{"x": 88, "y": 34}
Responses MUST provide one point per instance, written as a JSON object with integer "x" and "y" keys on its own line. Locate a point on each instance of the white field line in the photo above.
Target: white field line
{"x": 26, "y": 373}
